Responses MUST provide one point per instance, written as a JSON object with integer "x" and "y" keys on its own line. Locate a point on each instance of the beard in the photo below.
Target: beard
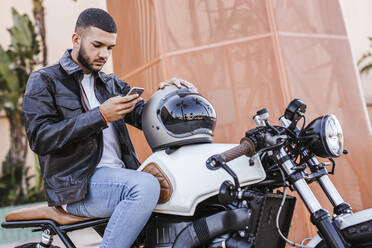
{"x": 84, "y": 60}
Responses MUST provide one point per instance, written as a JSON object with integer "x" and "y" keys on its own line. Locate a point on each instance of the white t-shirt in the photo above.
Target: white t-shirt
{"x": 111, "y": 149}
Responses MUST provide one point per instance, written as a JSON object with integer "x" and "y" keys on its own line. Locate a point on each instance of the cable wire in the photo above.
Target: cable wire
{"x": 278, "y": 215}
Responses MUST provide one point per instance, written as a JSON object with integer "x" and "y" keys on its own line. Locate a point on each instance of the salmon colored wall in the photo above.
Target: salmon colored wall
{"x": 246, "y": 55}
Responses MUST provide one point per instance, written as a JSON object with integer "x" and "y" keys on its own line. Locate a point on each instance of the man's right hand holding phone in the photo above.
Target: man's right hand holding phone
{"x": 115, "y": 108}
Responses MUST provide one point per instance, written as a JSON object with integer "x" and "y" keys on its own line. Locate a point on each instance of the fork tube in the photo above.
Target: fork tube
{"x": 307, "y": 195}
{"x": 299, "y": 182}
{"x": 330, "y": 190}
{"x": 340, "y": 206}
{"x": 327, "y": 185}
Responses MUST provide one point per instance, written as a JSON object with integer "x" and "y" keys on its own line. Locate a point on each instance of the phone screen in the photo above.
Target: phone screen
{"x": 136, "y": 90}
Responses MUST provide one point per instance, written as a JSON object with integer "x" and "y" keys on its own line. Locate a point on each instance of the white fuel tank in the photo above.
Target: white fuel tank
{"x": 192, "y": 181}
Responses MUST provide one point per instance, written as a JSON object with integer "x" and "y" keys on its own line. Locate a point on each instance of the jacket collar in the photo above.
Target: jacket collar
{"x": 68, "y": 64}
{"x": 71, "y": 67}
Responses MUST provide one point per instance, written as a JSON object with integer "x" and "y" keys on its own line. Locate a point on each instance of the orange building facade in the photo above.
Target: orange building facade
{"x": 247, "y": 55}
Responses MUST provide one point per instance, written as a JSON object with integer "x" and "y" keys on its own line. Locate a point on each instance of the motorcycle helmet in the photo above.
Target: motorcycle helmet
{"x": 174, "y": 117}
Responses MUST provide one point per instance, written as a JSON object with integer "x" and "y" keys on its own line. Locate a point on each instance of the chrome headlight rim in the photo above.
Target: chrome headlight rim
{"x": 327, "y": 135}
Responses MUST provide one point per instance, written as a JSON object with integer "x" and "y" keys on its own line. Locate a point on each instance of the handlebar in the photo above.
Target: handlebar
{"x": 217, "y": 161}
{"x": 246, "y": 147}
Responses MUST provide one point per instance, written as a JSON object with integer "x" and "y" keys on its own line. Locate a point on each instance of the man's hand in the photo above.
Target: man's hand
{"x": 117, "y": 107}
{"x": 177, "y": 82}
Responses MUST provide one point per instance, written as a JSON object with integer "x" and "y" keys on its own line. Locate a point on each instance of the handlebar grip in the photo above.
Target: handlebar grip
{"x": 246, "y": 147}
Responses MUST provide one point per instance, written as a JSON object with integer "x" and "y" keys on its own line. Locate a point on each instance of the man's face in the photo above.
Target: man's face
{"x": 95, "y": 48}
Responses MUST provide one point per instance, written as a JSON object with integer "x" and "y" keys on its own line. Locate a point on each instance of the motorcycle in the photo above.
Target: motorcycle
{"x": 226, "y": 195}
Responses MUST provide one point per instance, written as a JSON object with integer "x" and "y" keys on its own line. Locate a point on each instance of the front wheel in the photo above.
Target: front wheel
{"x": 359, "y": 236}
{"x": 34, "y": 245}
{"x": 365, "y": 245}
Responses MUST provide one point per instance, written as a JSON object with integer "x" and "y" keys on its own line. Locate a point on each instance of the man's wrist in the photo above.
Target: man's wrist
{"x": 103, "y": 116}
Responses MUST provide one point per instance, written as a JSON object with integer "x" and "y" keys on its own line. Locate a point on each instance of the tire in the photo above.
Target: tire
{"x": 29, "y": 245}
{"x": 33, "y": 245}
{"x": 366, "y": 245}
{"x": 359, "y": 236}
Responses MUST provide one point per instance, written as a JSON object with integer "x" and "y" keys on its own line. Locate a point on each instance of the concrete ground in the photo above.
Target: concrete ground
{"x": 85, "y": 238}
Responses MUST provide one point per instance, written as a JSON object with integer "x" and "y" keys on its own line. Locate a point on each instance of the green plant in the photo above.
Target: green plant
{"x": 16, "y": 65}
{"x": 12, "y": 174}
{"x": 365, "y": 63}
{"x": 9, "y": 184}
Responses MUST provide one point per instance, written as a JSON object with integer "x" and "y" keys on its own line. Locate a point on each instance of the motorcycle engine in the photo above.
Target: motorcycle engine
{"x": 162, "y": 230}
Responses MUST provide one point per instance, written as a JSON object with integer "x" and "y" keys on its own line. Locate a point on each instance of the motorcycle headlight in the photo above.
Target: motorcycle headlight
{"x": 327, "y": 138}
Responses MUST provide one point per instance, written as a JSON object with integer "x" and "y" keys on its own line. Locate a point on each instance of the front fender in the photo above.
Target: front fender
{"x": 345, "y": 221}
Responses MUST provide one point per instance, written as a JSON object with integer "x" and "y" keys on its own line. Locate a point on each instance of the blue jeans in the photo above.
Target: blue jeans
{"x": 128, "y": 196}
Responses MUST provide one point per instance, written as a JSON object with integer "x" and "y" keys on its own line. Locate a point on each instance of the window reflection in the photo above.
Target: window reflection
{"x": 185, "y": 113}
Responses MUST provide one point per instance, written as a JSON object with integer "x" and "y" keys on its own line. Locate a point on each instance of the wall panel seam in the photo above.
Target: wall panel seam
{"x": 283, "y": 77}
{"x": 307, "y": 35}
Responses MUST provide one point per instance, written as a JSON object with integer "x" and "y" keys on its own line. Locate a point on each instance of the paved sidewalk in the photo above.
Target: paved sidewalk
{"x": 85, "y": 238}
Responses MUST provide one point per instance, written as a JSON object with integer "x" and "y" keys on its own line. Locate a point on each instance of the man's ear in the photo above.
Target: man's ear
{"x": 76, "y": 40}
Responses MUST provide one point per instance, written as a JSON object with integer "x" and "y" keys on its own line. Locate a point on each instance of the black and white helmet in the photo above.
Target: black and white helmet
{"x": 177, "y": 116}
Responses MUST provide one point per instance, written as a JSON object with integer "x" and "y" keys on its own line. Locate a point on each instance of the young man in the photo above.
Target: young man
{"x": 75, "y": 121}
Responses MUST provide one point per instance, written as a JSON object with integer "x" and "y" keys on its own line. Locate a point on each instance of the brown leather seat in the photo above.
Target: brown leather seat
{"x": 58, "y": 215}
{"x": 43, "y": 212}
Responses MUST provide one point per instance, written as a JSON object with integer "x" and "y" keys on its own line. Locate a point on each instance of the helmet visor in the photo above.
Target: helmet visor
{"x": 186, "y": 114}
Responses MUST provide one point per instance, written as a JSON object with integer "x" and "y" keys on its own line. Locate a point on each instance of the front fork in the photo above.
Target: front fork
{"x": 319, "y": 216}
{"x": 339, "y": 205}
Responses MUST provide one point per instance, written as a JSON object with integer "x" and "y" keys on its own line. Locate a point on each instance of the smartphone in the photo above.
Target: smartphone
{"x": 135, "y": 90}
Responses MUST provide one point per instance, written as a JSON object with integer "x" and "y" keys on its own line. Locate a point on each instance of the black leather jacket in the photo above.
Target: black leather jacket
{"x": 67, "y": 137}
